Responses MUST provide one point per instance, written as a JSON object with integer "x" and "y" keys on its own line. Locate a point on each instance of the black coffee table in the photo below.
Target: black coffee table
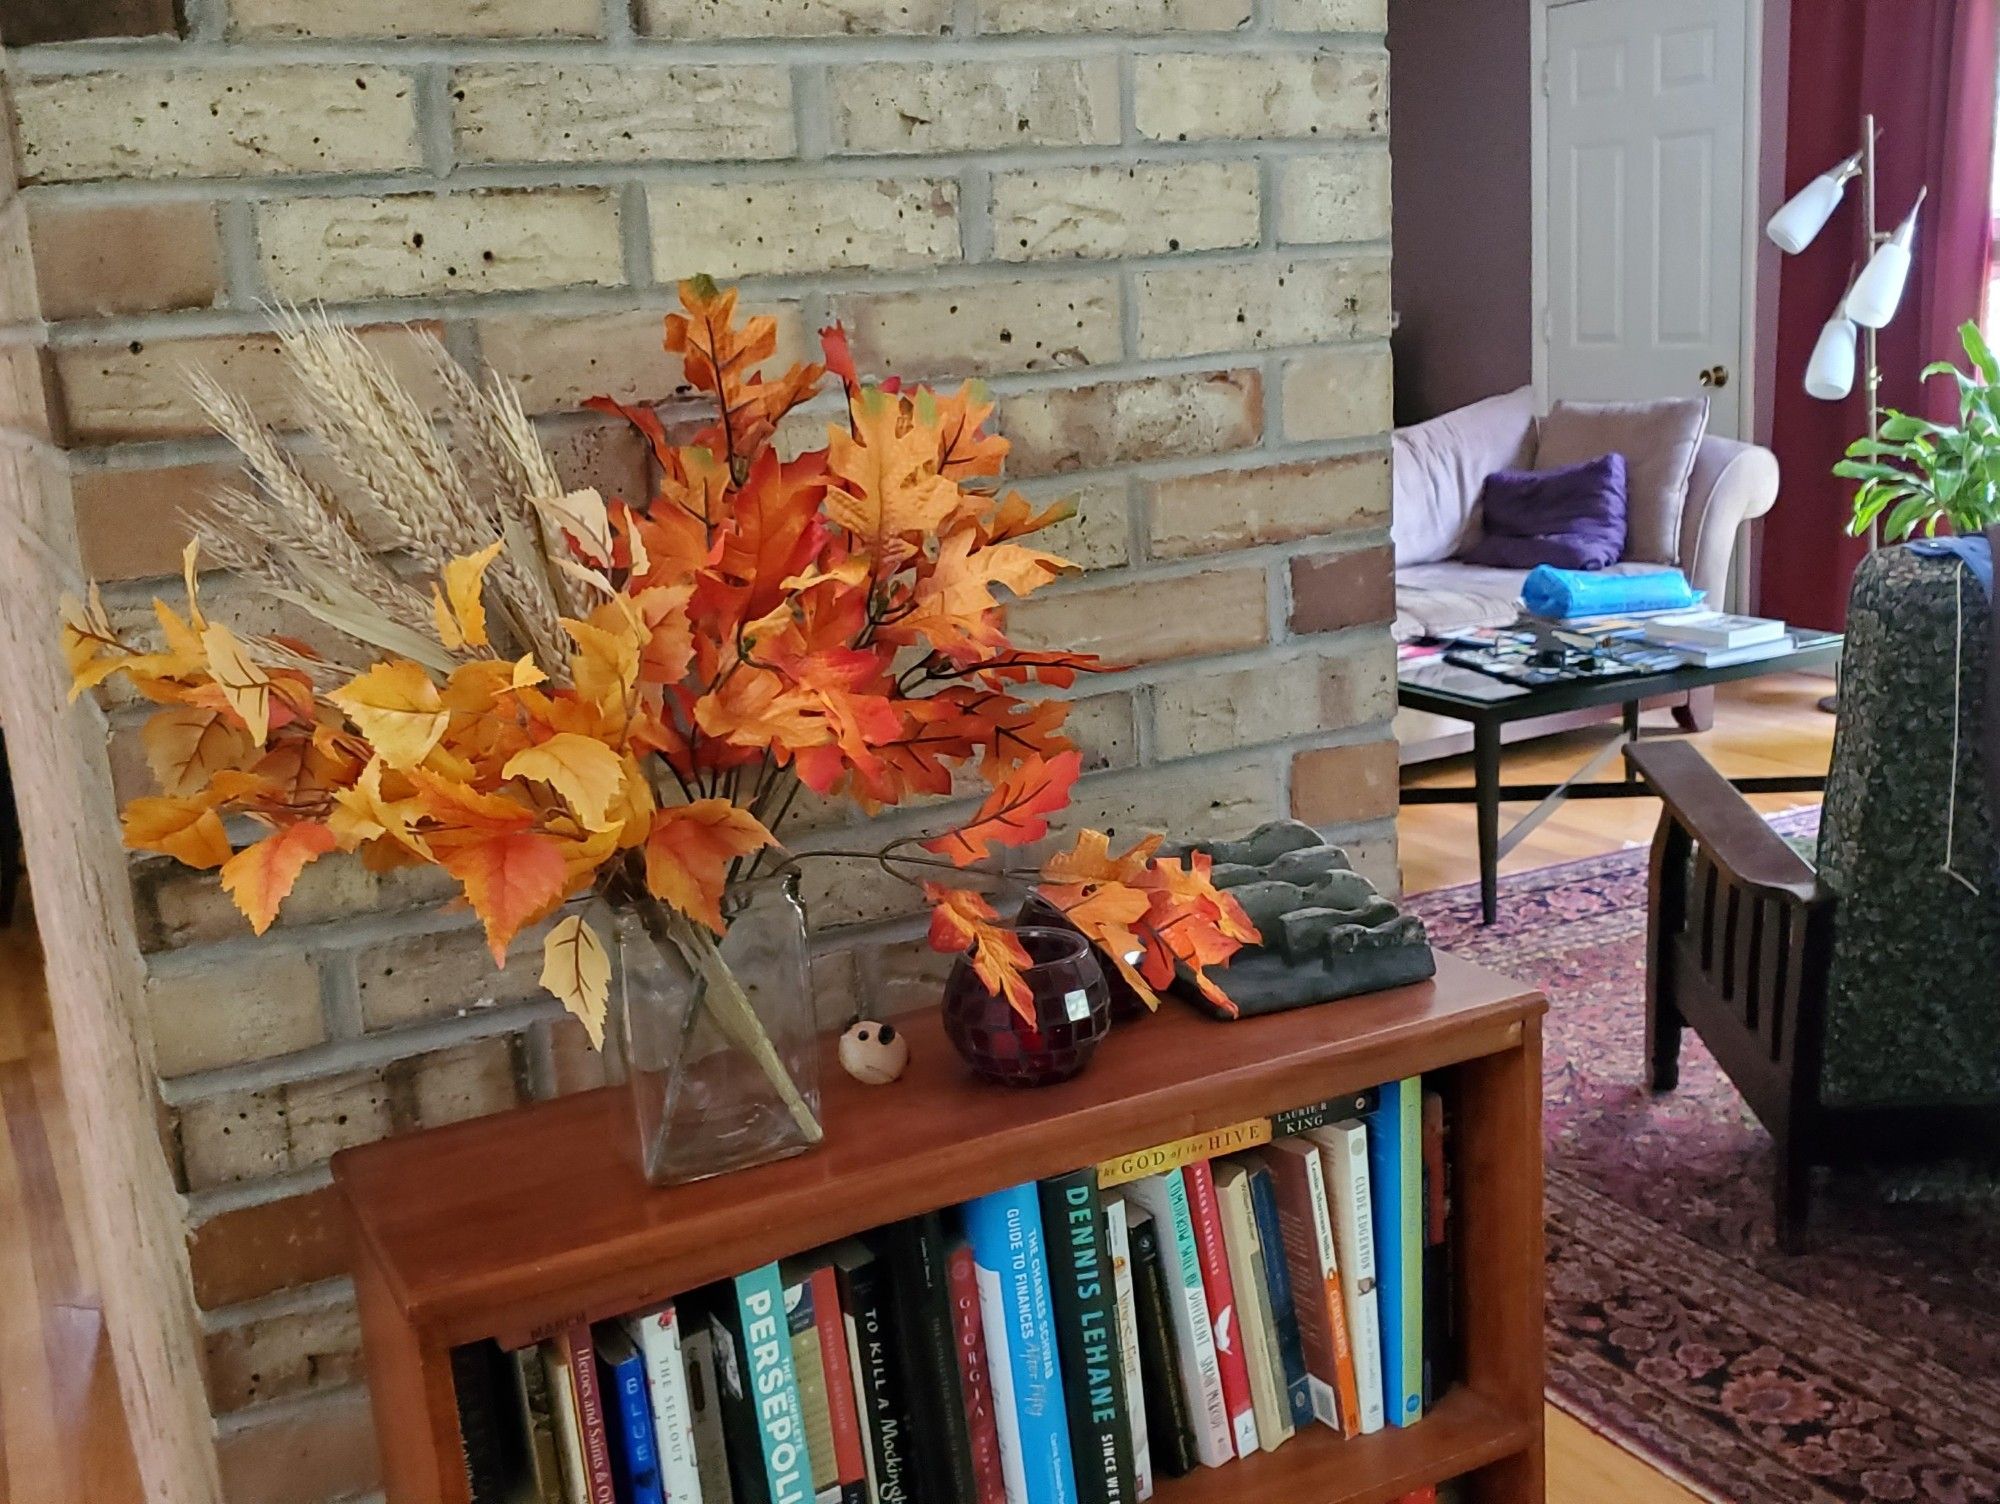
{"x": 1489, "y": 704}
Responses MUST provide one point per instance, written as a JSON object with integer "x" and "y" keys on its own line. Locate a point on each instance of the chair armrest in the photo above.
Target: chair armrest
{"x": 1722, "y": 821}
{"x": 1731, "y": 483}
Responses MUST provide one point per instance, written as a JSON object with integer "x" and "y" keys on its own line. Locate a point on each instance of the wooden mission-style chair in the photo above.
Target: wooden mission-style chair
{"x": 1853, "y": 999}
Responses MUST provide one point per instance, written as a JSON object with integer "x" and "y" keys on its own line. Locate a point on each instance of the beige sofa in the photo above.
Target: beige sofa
{"x": 1438, "y": 468}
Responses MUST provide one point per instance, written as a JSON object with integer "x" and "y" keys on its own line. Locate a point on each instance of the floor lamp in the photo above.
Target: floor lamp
{"x": 1871, "y": 299}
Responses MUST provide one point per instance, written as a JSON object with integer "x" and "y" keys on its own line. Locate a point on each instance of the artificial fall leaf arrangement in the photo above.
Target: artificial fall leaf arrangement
{"x": 552, "y": 694}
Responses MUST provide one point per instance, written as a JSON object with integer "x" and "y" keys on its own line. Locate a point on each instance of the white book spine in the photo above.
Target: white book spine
{"x": 1165, "y": 1196}
{"x": 1344, "y": 1148}
{"x": 996, "y": 1319}
{"x": 860, "y": 1400}
{"x": 1325, "y": 1403}
{"x": 657, "y": 1335}
{"x": 569, "y": 1425}
{"x": 1118, "y": 1237}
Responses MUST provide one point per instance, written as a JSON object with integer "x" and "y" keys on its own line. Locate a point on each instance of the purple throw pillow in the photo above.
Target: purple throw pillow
{"x": 1573, "y": 518}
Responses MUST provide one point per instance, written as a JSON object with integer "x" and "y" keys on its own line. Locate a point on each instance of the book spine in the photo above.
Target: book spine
{"x": 1165, "y": 1197}
{"x": 1169, "y": 1423}
{"x": 625, "y": 1381}
{"x": 742, "y": 1447}
{"x": 838, "y": 1375}
{"x": 1346, "y": 1159}
{"x": 973, "y": 1374}
{"x": 1118, "y": 1237}
{"x": 1278, "y": 1285}
{"x": 921, "y": 1286}
{"x": 1087, "y": 1337}
{"x": 1161, "y": 1158}
{"x": 1223, "y": 1314}
{"x": 802, "y": 1329}
{"x": 1007, "y": 1246}
{"x": 711, "y": 1446}
{"x": 1298, "y": 1120}
{"x": 1440, "y": 1306}
{"x": 772, "y": 1380}
{"x": 531, "y": 1384}
{"x": 882, "y": 1386}
{"x": 658, "y": 1334}
{"x": 1305, "y": 1230}
{"x": 1395, "y": 1155}
{"x": 480, "y": 1443}
{"x": 581, "y": 1354}
{"x": 1253, "y": 1315}
{"x": 568, "y": 1423}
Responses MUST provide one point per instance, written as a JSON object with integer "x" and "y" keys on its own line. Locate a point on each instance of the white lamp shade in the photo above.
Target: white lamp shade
{"x": 1830, "y": 372}
{"x": 1805, "y": 214}
{"x": 1879, "y": 289}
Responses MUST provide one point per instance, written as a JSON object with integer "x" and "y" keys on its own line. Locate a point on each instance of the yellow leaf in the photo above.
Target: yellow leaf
{"x": 186, "y": 745}
{"x": 187, "y": 830}
{"x": 588, "y": 774}
{"x": 582, "y": 515}
{"x": 245, "y": 686}
{"x": 689, "y": 852}
{"x": 190, "y": 566}
{"x": 464, "y": 594}
{"x": 577, "y": 969}
{"x": 361, "y": 813}
{"x": 397, "y": 708}
{"x": 259, "y": 877}
{"x": 605, "y": 665}
{"x": 511, "y": 880}
{"x": 446, "y": 624}
{"x": 527, "y": 673}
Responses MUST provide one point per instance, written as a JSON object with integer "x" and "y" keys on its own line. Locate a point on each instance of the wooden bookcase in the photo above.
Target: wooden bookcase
{"x": 513, "y": 1226}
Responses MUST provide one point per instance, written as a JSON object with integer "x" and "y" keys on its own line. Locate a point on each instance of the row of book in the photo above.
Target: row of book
{"x": 1068, "y": 1341}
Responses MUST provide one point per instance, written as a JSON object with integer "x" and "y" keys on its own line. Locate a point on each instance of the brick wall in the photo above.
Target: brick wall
{"x": 1158, "y": 227}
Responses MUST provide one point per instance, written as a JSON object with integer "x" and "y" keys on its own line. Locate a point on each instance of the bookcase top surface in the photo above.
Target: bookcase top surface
{"x": 512, "y": 1225}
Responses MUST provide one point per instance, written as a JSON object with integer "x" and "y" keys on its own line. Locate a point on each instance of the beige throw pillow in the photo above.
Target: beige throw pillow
{"x": 1658, "y": 440}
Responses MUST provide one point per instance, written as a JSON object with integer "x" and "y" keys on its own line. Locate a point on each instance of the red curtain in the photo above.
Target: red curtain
{"x": 1926, "y": 68}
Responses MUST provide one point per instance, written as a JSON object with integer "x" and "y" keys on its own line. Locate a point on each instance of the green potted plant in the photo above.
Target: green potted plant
{"x": 1916, "y": 473}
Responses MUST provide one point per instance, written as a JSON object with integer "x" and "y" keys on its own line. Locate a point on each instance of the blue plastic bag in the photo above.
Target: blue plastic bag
{"x": 1553, "y": 592}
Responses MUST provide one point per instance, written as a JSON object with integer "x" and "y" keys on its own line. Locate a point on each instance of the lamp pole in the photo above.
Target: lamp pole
{"x": 1876, "y": 238}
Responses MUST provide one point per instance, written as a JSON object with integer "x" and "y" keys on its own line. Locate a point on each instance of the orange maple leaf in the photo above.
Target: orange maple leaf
{"x": 722, "y": 359}
{"x": 689, "y": 851}
{"x": 260, "y": 877}
{"x": 1016, "y": 812}
{"x": 963, "y": 921}
{"x": 954, "y": 607}
{"x": 886, "y": 491}
{"x": 965, "y": 449}
{"x": 511, "y": 880}
{"x": 774, "y": 532}
{"x": 1089, "y": 860}
{"x": 184, "y": 828}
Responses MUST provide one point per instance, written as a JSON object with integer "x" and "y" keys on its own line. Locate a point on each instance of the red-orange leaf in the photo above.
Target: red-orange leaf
{"x": 511, "y": 881}
{"x": 1016, "y": 812}
{"x": 689, "y": 852}
{"x": 259, "y": 878}
{"x": 963, "y": 921}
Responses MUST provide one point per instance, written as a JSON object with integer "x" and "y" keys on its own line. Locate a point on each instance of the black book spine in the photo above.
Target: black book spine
{"x": 487, "y": 1440}
{"x": 884, "y": 1416}
{"x": 741, "y": 1442}
{"x": 1169, "y": 1427}
{"x": 915, "y": 1254}
{"x": 1100, "y": 1435}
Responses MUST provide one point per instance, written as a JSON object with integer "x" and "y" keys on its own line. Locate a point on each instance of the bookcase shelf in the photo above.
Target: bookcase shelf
{"x": 512, "y": 1227}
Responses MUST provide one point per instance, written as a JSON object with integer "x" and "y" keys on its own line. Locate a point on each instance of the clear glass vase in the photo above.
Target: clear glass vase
{"x": 719, "y": 1041}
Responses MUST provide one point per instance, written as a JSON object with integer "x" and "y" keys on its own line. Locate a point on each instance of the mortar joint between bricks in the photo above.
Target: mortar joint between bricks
{"x": 434, "y": 127}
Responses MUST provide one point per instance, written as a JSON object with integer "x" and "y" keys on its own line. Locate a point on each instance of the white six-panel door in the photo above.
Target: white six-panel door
{"x": 1644, "y": 208}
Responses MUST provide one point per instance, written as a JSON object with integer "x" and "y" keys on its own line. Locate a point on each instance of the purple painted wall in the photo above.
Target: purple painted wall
{"x": 1463, "y": 227}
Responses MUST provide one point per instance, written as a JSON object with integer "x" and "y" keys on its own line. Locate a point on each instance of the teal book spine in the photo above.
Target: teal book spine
{"x": 1080, "y": 1278}
{"x": 1396, "y": 1172}
{"x": 773, "y": 1385}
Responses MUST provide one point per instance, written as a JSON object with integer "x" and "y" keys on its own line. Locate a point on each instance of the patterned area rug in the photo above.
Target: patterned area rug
{"x": 1866, "y": 1369}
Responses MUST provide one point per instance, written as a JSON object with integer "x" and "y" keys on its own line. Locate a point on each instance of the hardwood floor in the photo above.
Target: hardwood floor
{"x": 1763, "y": 727}
{"x": 62, "y": 1432}
{"x": 62, "y": 1436}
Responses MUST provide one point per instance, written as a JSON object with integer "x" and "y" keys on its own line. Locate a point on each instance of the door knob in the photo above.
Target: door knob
{"x": 1715, "y": 376}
